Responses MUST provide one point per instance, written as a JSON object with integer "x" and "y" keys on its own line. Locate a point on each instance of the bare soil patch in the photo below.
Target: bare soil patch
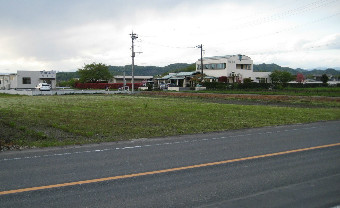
{"x": 253, "y": 99}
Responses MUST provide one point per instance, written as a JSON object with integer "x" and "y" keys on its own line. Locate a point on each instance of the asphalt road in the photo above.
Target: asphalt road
{"x": 181, "y": 171}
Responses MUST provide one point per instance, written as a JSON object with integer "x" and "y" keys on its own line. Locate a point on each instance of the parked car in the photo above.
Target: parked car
{"x": 43, "y": 87}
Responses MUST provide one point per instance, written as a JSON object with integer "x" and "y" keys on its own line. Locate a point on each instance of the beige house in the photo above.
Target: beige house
{"x": 27, "y": 79}
{"x": 234, "y": 67}
{"x": 181, "y": 79}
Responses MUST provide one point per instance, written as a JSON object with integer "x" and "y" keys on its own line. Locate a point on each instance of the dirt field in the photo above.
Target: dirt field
{"x": 251, "y": 99}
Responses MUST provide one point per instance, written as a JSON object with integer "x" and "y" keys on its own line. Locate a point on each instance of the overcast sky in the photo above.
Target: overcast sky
{"x": 63, "y": 35}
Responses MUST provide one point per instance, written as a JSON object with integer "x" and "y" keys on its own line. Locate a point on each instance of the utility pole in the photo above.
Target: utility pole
{"x": 201, "y": 47}
{"x": 124, "y": 80}
{"x": 133, "y": 37}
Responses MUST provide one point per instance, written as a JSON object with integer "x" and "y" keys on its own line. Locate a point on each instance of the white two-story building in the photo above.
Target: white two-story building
{"x": 235, "y": 68}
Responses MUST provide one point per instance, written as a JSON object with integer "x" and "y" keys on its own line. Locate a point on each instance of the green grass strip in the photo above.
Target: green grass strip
{"x": 79, "y": 119}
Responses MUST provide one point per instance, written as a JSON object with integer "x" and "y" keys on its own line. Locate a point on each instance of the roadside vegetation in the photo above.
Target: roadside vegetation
{"x": 316, "y": 91}
{"x": 42, "y": 121}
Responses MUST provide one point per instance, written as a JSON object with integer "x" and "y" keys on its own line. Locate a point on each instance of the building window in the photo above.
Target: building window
{"x": 221, "y": 66}
{"x": 26, "y": 80}
{"x": 262, "y": 80}
{"x": 243, "y": 66}
{"x": 213, "y": 66}
{"x": 239, "y": 66}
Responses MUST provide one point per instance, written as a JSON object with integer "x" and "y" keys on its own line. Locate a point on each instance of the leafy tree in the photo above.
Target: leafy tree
{"x": 286, "y": 77}
{"x": 300, "y": 78}
{"x": 281, "y": 77}
{"x": 275, "y": 76}
{"x": 324, "y": 79}
{"x": 94, "y": 72}
{"x": 197, "y": 79}
{"x": 246, "y": 83}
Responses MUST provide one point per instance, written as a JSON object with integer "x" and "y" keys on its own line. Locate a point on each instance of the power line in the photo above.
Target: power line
{"x": 302, "y": 9}
{"x": 168, "y": 46}
{"x": 290, "y": 28}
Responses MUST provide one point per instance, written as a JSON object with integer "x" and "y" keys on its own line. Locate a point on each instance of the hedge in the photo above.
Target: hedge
{"x": 224, "y": 86}
{"x": 253, "y": 85}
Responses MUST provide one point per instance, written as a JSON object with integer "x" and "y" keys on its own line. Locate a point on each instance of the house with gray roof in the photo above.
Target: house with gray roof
{"x": 181, "y": 79}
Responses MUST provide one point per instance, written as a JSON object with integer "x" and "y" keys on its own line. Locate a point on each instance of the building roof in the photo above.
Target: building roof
{"x": 6, "y": 74}
{"x": 185, "y": 73}
{"x": 167, "y": 76}
{"x": 218, "y": 57}
{"x": 180, "y": 75}
{"x": 136, "y": 77}
{"x": 223, "y": 57}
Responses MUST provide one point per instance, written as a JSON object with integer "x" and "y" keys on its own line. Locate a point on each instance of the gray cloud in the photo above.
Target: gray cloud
{"x": 64, "y": 13}
{"x": 61, "y": 30}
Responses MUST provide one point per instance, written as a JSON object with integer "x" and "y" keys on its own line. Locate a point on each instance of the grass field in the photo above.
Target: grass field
{"x": 77, "y": 119}
{"x": 316, "y": 91}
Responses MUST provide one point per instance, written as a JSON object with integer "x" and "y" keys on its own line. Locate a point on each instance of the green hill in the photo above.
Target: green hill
{"x": 272, "y": 67}
{"x": 138, "y": 70}
{"x": 147, "y": 70}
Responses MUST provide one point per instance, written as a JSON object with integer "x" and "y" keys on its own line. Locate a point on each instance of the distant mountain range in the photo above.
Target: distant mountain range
{"x": 147, "y": 70}
{"x": 155, "y": 70}
{"x": 273, "y": 67}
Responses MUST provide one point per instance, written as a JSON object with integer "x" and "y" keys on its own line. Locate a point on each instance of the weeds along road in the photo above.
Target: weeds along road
{"x": 284, "y": 166}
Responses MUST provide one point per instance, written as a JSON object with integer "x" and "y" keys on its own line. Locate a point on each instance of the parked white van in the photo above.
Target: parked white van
{"x": 43, "y": 87}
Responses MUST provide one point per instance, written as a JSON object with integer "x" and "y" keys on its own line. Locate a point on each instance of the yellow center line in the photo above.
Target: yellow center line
{"x": 164, "y": 170}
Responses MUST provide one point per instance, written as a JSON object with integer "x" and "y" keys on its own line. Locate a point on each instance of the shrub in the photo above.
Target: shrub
{"x": 223, "y": 79}
{"x": 254, "y": 85}
{"x": 215, "y": 85}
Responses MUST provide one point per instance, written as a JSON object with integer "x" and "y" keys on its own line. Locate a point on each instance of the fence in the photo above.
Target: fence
{"x": 105, "y": 85}
{"x": 60, "y": 92}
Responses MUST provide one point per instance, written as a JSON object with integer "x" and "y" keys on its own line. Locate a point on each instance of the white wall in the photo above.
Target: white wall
{"x": 36, "y": 78}
{"x": 231, "y": 66}
{"x": 231, "y": 62}
{"x": 8, "y": 81}
{"x": 261, "y": 75}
